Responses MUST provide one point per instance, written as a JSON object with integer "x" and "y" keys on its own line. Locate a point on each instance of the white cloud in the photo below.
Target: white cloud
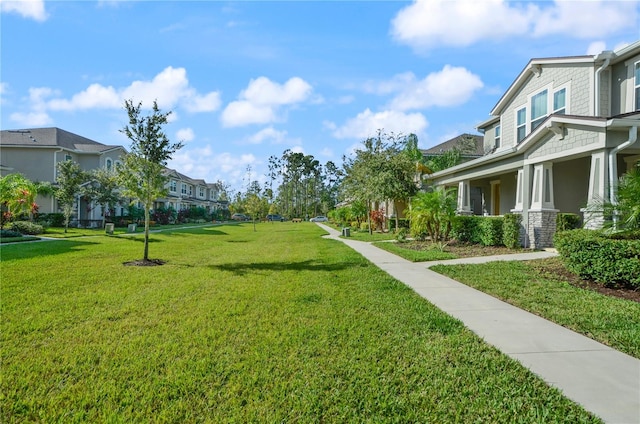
{"x": 185, "y": 134}
{"x": 367, "y": 123}
{"x": 268, "y": 133}
{"x": 32, "y": 119}
{"x": 208, "y": 164}
{"x": 596, "y": 47}
{"x": 432, "y": 23}
{"x": 32, "y": 9}
{"x": 585, "y": 19}
{"x": 450, "y": 87}
{"x": 261, "y": 101}
{"x": 170, "y": 88}
{"x": 242, "y": 112}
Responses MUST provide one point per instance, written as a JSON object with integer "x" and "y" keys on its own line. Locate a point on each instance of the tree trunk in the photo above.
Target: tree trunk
{"x": 146, "y": 233}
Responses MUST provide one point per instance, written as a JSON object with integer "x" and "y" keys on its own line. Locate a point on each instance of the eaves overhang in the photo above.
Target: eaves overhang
{"x": 551, "y": 124}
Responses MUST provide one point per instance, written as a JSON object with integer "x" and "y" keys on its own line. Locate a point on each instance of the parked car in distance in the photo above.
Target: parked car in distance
{"x": 319, "y": 218}
{"x": 240, "y": 217}
{"x": 275, "y": 217}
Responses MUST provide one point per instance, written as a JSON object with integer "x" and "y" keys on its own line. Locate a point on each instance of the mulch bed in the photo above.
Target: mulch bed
{"x": 550, "y": 268}
{"x": 142, "y": 262}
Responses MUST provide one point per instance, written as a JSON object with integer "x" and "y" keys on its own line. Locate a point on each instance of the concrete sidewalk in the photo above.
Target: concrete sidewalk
{"x": 604, "y": 381}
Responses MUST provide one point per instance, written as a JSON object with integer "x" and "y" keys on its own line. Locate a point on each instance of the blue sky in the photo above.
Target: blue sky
{"x": 247, "y": 80}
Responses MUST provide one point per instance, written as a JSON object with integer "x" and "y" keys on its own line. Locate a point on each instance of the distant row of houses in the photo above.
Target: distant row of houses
{"x": 556, "y": 141}
{"x": 35, "y": 153}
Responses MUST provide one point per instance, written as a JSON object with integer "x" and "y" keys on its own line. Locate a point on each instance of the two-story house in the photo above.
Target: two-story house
{"x": 36, "y": 152}
{"x": 558, "y": 140}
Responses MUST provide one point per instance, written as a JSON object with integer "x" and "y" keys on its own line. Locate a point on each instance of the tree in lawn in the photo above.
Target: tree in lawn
{"x": 17, "y": 196}
{"x": 70, "y": 178}
{"x": 103, "y": 190}
{"x": 141, "y": 175}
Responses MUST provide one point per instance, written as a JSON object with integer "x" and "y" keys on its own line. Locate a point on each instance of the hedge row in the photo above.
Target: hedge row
{"x": 488, "y": 230}
{"x": 593, "y": 255}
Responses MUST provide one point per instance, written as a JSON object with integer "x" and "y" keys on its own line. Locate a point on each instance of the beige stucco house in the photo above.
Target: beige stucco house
{"x": 35, "y": 153}
{"x": 556, "y": 141}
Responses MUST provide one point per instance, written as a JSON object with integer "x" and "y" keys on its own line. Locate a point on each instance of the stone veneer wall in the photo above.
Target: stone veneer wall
{"x": 541, "y": 228}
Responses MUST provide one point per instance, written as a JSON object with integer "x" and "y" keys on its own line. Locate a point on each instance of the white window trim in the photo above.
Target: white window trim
{"x": 108, "y": 164}
{"x": 550, "y": 110}
{"x": 629, "y": 91}
{"x": 567, "y": 97}
{"x": 173, "y": 186}
{"x": 515, "y": 123}
{"x": 636, "y": 86}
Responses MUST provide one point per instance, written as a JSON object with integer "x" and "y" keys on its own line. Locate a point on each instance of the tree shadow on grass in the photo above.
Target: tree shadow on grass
{"x": 243, "y": 268}
{"x": 28, "y": 250}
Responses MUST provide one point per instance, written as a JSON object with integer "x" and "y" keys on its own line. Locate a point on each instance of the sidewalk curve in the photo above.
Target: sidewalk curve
{"x": 603, "y": 380}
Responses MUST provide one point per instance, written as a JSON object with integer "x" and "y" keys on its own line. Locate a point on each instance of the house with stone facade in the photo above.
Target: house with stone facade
{"x": 557, "y": 141}
{"x": 35, "y": 153}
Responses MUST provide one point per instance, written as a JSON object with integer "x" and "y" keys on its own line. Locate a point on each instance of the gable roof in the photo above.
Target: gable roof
{"x": 536, "y": 64}
{"x": 53, "y": 137}
{"x": 450, "y": 144}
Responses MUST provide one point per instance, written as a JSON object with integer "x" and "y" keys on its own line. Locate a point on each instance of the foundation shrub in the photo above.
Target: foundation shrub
{"x": 595, "y": 256}
{"x": 466, "y": 228}
{"x": 26, "y": 227}
{"x": 511, "y": 230}
{"x": 491, "y": 230}
{"x": 568, "y": 221}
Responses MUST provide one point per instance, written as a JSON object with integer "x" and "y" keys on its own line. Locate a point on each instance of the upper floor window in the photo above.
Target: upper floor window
{"x": 538, "y": 109}
{"x": 173, "y": 186}
{"x": 521, "y": 124}
{"x": 636, "y": 85}
{"x": 184, "y": 188}
{"x": 560, "y": 101}
{"x": 190, "y": 190}
{"x": 68, "y": 157}
{"x": 497, "y": 136}
{"x": 202, "y": 192}
{"x": 108, "y": 164}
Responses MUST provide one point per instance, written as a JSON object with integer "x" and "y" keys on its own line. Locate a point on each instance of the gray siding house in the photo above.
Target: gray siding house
{"x": 35, "y": 153}
{"x": 557, "y": 141}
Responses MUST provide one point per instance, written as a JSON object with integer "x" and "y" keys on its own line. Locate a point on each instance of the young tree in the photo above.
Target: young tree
{"x": 17, "y": 195}
{"x": 141, "y": 175}
{"x": 70, "y": 177}
{"x": 103, "y": 189}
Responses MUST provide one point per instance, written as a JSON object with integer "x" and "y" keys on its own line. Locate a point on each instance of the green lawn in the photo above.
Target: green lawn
{"x": 400, "y": 249}
{"x": 276, "y": 325}
{"x": 612, "y": 321}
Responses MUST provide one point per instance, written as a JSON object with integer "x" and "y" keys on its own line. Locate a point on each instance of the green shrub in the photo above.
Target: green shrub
{"x": 51, "y": 219}
{"x": 402, "y": 223}
{"x": 592, "y": 255}
{"x": 568, "y": 221}
{"x": 9, "y": 234}
{"x": 364, "y": 226}
{"x": 491, "y": 230}
{"x": 511, "y": 230}
{"x": 465, "y": 228}
{"x": 26, "y": 227}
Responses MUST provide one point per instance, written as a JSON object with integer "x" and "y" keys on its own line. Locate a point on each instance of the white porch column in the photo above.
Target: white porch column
{"x": 542, "y": 193}
{"x": 598, "y": 187}
{"x": 519, "y": 206}
{"x": 464, "y": 198}
{"x": 541, "y": 216}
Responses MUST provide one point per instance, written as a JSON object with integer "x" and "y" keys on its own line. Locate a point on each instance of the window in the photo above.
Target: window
{"x": 637, "y": 85}
{"x": 173, "y": 186}
{"x": 68, "y": 157}
{"x": 538, "y": 109}
{"x": 109, "y": 164}
{"x": 521, "y": 124}
{"x": 190, "y": 190}
{"x": 184, "y": 188}
{"x": 560, "y": 101}
{"x": 496, "y": 143}
{"x": 202, "y": 196}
